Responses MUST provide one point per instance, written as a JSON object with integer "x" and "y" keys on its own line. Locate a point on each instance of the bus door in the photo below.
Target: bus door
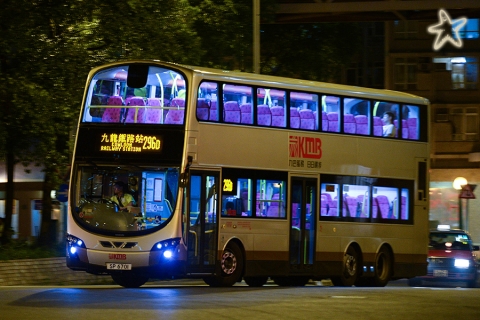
{"x": 302, "y": 232}
{"x": 202, "y": 222}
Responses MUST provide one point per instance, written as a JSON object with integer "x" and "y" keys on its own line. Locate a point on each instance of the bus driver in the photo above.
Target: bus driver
{"x": 121, "y": 198}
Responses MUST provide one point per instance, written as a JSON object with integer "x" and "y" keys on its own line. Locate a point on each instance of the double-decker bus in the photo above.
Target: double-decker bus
{"x": 182, "y": 171}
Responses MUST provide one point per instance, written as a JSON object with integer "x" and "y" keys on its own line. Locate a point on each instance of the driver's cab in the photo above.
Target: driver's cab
{"x": 147, "y": 198}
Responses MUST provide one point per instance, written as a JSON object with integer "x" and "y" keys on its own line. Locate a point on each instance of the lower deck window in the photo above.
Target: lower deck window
{"x": 387, "y": 200}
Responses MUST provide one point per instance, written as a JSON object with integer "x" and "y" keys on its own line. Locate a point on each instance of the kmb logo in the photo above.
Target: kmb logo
{"x": 305, "y": 147}
{"x": 114, "y": 256}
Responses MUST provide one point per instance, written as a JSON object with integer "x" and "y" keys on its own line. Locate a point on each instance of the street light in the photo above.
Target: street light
{"x": 459, "y": 182}
{"x": 457, "y": 185}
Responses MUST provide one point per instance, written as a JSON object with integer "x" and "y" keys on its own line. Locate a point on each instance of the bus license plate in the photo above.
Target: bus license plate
{"x": 440, "y": 273}
{"x": 119, "y": 266}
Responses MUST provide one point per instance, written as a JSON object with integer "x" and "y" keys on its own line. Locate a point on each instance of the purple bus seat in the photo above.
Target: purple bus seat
{"x": 294, "y": 118}
{"x": 153, "y": 115}
{"x": 135, "y": 101}
{"x": 412, "y": 129}
{"x": 350, "y": 207}
{"x": 333, "y": 122}
{"x": 231, "y": 112}
{"x": 246, "y": 113}
{"x": 362, "y": 124}
{"x": 127, "y": 99}
{"x": 213, "y": 111}
{"x": 278, "y": 116}
{"x": 264, "y": 116}
{"x": 377, "y": 127}
{"x": 307, "y": 119}
{"x": 113, "y": 114}
{"x": 178, "y": 102}
{"x": 332, "y": 205}
{"x": 374, "y": 208}
{"x": 323, "y": 206}
{"x": 324, "y": 121}
{"x": 203, "y": 109}
{"x": 404, "y": 129}
{"x": 349, "y": 125}
{"x": 383, "y": 206}
{"x": 175, "y": 116}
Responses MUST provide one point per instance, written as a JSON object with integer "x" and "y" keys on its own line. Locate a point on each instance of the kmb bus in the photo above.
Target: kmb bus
{"x": 183, "y": 171}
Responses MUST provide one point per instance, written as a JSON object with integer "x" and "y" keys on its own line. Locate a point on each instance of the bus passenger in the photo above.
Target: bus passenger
{"x": 388, "y": 127}
{"x": 124, "y": 200}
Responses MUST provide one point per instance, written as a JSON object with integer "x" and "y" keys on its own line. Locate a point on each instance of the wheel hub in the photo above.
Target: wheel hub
{"x": 229, "y": 263}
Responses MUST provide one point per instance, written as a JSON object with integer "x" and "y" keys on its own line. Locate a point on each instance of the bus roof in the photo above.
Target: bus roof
{"x": 253, "y": 78}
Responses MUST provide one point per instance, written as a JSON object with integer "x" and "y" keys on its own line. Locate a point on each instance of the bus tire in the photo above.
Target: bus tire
{"x": 383, "y": 268}
{"x": 129, "y": 280}
{"x": 349, "y": 269}
{"x": 255, "y": 281}
{"x": 231, "y": 267}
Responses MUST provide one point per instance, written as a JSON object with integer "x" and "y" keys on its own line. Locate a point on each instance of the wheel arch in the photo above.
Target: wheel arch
{"x": 239, "y": 243}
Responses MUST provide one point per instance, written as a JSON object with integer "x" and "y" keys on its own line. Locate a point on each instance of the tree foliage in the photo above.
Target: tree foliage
{"x": 308, "y": 51}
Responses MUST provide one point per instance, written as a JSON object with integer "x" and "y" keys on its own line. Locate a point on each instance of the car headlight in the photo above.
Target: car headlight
{"x": 462, "y": 263}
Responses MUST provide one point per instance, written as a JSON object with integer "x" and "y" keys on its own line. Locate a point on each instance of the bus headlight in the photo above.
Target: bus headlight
{"x": 73, "y": 244}
{"x": 167, "y": 247}
{"x": 462, "y": 263}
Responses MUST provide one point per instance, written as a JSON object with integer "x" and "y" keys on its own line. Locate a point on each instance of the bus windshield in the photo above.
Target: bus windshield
{"x": 124, "y": 199}
{"x": 136, "y": 94}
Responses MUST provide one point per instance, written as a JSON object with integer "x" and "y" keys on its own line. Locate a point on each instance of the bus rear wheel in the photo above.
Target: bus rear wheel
{"x": 349, "y": 270}
{"x": 383, "y": 268}
{"x": 129, "y": 280}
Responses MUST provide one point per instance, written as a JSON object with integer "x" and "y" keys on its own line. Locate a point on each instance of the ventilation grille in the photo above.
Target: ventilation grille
{"x": 118, "y": 244}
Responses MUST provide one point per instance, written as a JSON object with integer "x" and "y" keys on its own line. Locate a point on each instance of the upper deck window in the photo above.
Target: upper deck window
{"x": 237, "y": 104}
{"x": 303, "y": 111}
{"x": 113, "y": 96}
{"x": 259, "y": 106}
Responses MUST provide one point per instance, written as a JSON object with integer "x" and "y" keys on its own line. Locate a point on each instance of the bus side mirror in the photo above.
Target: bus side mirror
{"x": 183, "y": 179}
{"x": 184, "y": 176}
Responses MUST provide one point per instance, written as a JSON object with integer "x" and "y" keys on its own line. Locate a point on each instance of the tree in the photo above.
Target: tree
{"x": 308, "y": 51}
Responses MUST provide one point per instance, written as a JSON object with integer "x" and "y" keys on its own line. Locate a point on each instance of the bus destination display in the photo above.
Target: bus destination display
{"x": 128, "y": 142}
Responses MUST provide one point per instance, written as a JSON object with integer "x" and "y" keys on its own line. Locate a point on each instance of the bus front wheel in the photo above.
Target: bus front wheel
{"x": 231, "y": 267}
